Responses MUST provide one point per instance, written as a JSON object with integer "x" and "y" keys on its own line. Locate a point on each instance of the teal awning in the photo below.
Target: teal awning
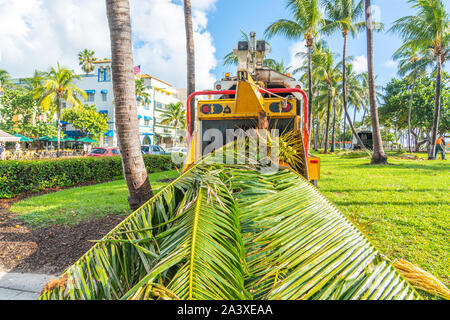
{"x": 23, "y": 138}
{"x": 87, "y": 140}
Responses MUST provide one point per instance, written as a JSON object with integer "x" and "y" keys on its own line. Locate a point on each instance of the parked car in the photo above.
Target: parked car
{"x": 182, "y": 150}
{"x": 157, "y": 150}
{"x": 104, "y": 152}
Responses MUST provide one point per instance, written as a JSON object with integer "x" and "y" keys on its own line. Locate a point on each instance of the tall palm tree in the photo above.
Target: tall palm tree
{"x": 378, "y": 155}
{"x": 175, "y": 116}
{"x": 141, "y": 91}
{"x": 306, "y": 24}
{"x": 428, "y": 29}
{"x": 58, "y": 87}
{"x": 190, "y": 50}
{"x": 34, "y": 82}
{"x": 86, "y": 59}
{"x": 127, "y": 125}
{"x": 342, "y": 15}
{"x": 413, "y": 65}
{"x": 329, "y": 73}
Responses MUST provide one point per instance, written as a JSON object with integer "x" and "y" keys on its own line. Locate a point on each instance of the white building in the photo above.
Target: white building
{"x": 98, "y": 86}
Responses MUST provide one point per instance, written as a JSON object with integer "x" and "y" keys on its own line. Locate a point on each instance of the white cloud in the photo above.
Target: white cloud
{"x": 391, "y": 64}
{"x": 35, "y": 34}
{"x": 294, "y": 61}
{"x": 360, "y": 64}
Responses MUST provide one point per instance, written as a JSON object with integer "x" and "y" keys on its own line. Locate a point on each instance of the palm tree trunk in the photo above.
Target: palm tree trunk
{"x": 328, "y": 121}
{"x": 409, "y": 115}
{"x": 310, "y": 93}
{"x": 190, "y": 49}
{"x": 343, "y": 133}
{"x": 437, "y": 109}
{"x": 364, "y": 117}
{"x": 344, "y": 93}
{"x": 378, "y": 156}
{"x": 127, "y": 125}
{"x": 333, "y": 139}
{"x": 58, "y": 126}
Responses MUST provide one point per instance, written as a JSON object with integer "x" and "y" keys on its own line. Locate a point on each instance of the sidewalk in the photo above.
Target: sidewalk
{"x": 22, "y": 286}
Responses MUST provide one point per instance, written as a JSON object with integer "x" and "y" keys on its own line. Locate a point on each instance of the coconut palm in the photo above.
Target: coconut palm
{"x": 413, "y": 65}
{"x": 428, "y": 29}
{"x": 342, "y": 15}
{"x": 306, "y": 24}
{"x": 127, "y": 125}
{"x": 277, "y": 66}
{"x": 175, "y": 116}
{"x": 329, "y": 73}
{"x": 141, "y": 91}
{"x": 35, "y": 81}
{"x": 57, "y": 88}
{"x": 234, "y": 233}
{"x": 86, "y": 59}
{"x": 190, "y": 49}
{"x": 378, "y": 155}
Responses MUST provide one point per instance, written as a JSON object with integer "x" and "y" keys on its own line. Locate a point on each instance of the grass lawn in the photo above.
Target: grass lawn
{"x": 73, "y": 205}
{"x": 403, "y": 208}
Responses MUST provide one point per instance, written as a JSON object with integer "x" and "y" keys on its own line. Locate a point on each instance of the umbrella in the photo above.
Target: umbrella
{"x": 23, "y": 138}
{"x": 6, "y": 137}
{"x": 49, "y": 139}
{"x": 69, "y": 139}
{"x": 87, "y": 140}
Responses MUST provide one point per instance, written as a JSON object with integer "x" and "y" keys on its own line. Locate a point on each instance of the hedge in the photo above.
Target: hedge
{"x": 17, "y": 177}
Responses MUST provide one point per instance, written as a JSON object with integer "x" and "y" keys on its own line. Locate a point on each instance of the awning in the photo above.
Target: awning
{"x": 148, "y": 118}
{"x": 104, "y": 91}
{"x": 109, "y": 133}
{"x": 87, "y": 140}
{"x": 23, "y": 138}
{"x": 90, "y": 91}
{"x": 147, "y": 134}
{"x": 139, "y": 117}
{"x": 103, "y": 112}
{"x": 6, "y": 137}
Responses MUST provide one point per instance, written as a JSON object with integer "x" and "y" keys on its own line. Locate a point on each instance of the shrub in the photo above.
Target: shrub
{"x": 17, "y": 177}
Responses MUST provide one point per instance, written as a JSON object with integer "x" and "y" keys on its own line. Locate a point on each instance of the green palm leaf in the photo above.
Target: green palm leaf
{"x": 233, "y": 232}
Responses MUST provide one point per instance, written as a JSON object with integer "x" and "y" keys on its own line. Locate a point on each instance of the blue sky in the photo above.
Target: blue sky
{"x": 230, "y": 16}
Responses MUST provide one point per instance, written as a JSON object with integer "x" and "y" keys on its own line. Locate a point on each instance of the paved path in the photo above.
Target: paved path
{"x": 22, "y": 286}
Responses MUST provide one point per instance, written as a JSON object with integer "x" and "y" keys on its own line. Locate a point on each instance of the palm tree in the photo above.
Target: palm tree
{"x": 277, "y": 66}
{"x": 141, "y": 91}
{"x": 175, "y": 116}
{"x": 58, "y": 87}
{"x": 127, "y": 125}
{"x": 428, "y": 29}
{"x": 378, "y": 155}
{"x": 86, "y": 60}
{"x": 413, "y": 65}
{"x": 307, "y": 23}
{"x": 190, "y": 49}
{"x": 5, "y": 80}
{"x": 342, "y": 15}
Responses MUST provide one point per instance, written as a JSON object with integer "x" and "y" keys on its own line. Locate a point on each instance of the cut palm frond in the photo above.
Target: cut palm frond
{"x": 234, "y": 232}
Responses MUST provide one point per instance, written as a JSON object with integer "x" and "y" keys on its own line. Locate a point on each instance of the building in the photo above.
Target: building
{"x": 98, "y": 85}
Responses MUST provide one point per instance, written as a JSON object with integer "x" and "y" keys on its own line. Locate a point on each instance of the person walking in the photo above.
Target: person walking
{"x": 440, "y": 147}
{"x": 18, "y": 151}
{"x": 2, "y": 152}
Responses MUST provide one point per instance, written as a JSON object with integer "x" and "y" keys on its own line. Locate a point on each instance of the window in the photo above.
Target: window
{"x": 104, "y": 97}
{"x": 91, "y": 97}
{"x": 99, "y": 151}
{"x": 101, "y": 74}
{"x": 108, "y": 74}
{"x": 146, "y": 122}
{"x": 115, "y": 151}
{"x": 160, "y": 105}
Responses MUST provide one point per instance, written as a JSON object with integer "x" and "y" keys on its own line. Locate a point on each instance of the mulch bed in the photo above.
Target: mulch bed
{"x": 47, "y": 250}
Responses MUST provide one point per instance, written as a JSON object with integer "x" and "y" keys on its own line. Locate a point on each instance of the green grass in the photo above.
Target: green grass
{"x": 403, "y": 208}
{"x": 74, "y": 205}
